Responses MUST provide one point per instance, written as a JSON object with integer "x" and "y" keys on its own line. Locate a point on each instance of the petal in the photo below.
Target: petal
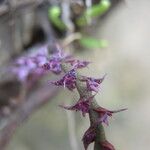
{"x": 104, "y": 114}
{"x": 104, "y": 119}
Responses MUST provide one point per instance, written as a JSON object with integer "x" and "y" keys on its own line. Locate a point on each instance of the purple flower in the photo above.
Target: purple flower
{"x": 39, "y": 56}
{"x": 39, "y": 59}
{"x": 58, "y": 54}
{"x": 25, "y": 61}
{"x": 82, "y": 105}
{"x": 78, "y": 63}
{"x": 37, "y": 63}
{"x": 55, "y": 60}
{"x": 92, "y": 83}
{"x": 89, "y": 136}
{"x": 21, "y": 72}
{"x": 68, "y": 80}
{"x": 53, "y": 65}
{"x": 104, "y": 114}
{"x": 46, "y": 66}
{"x": 23, "y": 67}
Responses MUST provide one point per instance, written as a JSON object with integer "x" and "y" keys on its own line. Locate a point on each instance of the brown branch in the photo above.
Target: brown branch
{"x": 36, "y": 100}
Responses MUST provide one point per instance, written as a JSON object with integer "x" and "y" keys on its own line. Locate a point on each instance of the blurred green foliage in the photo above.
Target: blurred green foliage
{"x": 94, "y": 11}
{"x": 90, "y": 42}
{"x": 54, "y": 13}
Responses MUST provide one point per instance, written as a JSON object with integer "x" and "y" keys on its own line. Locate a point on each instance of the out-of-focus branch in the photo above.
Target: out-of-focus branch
{"x": 34, "y": 101}
{"x": 12, "y": 5}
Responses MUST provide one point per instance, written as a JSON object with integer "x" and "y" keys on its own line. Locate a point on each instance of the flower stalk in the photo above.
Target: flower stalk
{"x": 93, "y": 115}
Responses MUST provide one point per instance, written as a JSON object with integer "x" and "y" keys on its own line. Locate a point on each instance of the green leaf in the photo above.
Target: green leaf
{"x": 99, "y": 9}
{"x": 90, "y": 42}
{"x": 94, "y": 11}
{"x": 54, "y": 13}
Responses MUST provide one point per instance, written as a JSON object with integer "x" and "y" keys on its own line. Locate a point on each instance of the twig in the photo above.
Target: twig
{"x": 71, "y": 38}
{"x": 18, "y": 5}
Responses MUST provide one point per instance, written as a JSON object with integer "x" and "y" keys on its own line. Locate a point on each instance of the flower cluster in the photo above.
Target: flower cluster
{"x": 25, "y": 67}
{"x": 42, "y": 62}
{"x": 38, "y": 63}
{"x": 54, "y": 62}
{"x": 30, "y": 65}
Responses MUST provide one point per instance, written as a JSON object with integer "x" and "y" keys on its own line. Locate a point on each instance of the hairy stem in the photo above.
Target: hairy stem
{"x": 93, "y": 116}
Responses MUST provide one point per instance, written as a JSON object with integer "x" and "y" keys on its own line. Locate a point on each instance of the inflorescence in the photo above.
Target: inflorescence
{"x": 32, "y": 67}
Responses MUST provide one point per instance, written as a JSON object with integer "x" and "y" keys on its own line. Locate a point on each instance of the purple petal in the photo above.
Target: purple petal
{"x": 92, "y": 83}
{"x": 104, "y": 119}
{"x": 82, "y": 105}
{"x": 78, "y": 63}
{"x": 104, "y": 114}
{"x": 68, "y": 80}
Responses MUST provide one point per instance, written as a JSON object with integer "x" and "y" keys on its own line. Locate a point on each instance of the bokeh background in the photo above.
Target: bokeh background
{"x": 127, "y": 85}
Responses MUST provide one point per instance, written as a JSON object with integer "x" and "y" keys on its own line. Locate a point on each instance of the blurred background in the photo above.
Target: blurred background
{"x": 126, "y": 61}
